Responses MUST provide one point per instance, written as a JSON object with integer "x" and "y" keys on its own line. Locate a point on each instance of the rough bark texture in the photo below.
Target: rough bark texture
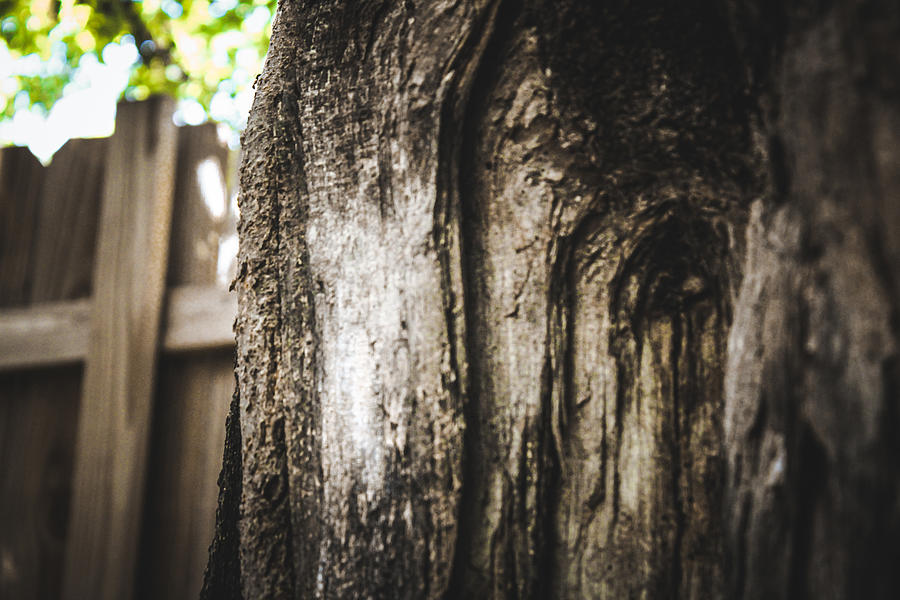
{"x": 811, "y": 403}
{"x": 568, "y": 299}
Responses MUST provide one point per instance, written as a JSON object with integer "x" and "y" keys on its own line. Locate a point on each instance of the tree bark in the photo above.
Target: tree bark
{"x": 569, "y": 299}
{"x": 811, "y": 388}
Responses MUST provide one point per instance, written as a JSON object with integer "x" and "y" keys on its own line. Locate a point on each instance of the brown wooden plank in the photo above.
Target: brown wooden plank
{"x": 21, "y": 180}
{"x": 114, "y": 423}
{"x": 195, "y": 388}
{"x": 46, "y": 334}
{"x": 38, "y": 410}
{"x": 202, "y": 213}
{"x": 47, "y": 239}
{"x": 48, "y": 221}
{"x": 185, "y": 459}
{"x": 69, "y": 210}
{"x": 197, "y": 318}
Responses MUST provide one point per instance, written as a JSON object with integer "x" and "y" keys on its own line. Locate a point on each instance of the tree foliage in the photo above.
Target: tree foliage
{"x": 208, "y": 51}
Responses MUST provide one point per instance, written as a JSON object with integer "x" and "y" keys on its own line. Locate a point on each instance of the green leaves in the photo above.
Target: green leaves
{"x": 204, "y": 52}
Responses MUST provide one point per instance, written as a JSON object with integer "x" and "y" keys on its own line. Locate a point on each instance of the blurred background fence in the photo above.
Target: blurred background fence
{"x": 116, "y": 355}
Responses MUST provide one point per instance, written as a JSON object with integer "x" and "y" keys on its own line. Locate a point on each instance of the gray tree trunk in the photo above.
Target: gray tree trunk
{"x": 568, "y": 300}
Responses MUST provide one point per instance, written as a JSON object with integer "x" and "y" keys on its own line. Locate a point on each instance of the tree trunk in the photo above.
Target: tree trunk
{"x": 568, "y": 299}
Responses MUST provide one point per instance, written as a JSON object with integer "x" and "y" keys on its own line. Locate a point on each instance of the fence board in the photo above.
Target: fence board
{"x": 57, "y": 333}
{"x": 48, "y": 227}
{"x": 43, "y": 335}
{"x": 200, "y": 318}
{"x": 38, "y": 409}
{"x": 113, "y": 429}
{"x": 69, "y": 207}
{"x": 20, "y": 187}
{"x": 48, "y": 223}
{"x": 195, "y": 388}
{"x": 186, "y": 456}
{"x": 37, "y": 412}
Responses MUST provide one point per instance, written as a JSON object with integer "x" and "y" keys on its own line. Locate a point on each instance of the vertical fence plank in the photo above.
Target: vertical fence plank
{"x": 114, "y": 422}
{"x": 20, "y": 190}
{"x": 194, "y": 389}
{"x": 37, "y": 414}
{"x": 47, "y": 226}
{"x": 69, "y": 207}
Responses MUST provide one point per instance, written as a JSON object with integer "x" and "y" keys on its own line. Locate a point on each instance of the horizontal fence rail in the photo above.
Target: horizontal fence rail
{"x": 57, "y": 333}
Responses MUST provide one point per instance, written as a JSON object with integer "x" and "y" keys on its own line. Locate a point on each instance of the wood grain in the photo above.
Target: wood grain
{"x": 194, "y": 387}
{"x": 185, "y": 458}
{"x": 69, "y": 208}
{"x": 37, "y": 415}
{"x": 47, "y": 240}
{"x": 199, "y": 318}
{"x": 48, "y": 233}
{"x": 114, "y": 424}
{"x": 46, "y": 334}
{"x": 55, "y": 333}
{"x": 48, "y": 222}
{"x": 20, "y": 187}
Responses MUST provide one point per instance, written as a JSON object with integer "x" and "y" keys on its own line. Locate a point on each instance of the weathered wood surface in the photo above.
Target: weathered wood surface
{"x": 481, "y": 221}
{"x": 114, "y": 421}
{"x": 48, "y": 223}
{"x": 38, "y": 414}
{"x": 203, "y": 214}
{"x": 194, "y": 387}
{"x": 47, "y": 234}
{"x": 185, "y": 457}
{"x": 196, "y": 318}
{"x": 44, "y": 335}
{"x": 199, "y": 318}
{"x": 531, "y": 294}
{"x": 49, "y": 218}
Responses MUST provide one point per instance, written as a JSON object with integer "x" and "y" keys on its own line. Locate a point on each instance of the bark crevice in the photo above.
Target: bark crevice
{"x": 559, "y": 285}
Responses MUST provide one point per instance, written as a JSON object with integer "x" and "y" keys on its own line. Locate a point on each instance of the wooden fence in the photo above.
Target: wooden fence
{"x": 116, "y": 353}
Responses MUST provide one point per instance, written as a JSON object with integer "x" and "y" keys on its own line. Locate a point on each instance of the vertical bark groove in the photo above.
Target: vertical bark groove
{"x": 559, "y": 285}
{"x": 802, "y": 385}
{"x": 222, "y": 580}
